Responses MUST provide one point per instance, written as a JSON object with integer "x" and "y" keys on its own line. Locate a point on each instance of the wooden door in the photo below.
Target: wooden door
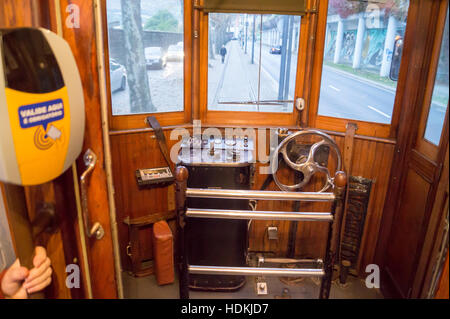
{"x": 415, "y": 209}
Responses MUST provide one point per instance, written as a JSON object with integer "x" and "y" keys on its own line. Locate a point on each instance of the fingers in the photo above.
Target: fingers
{"x": 16, "y": 273}
{"x": 12, "y": 281}
{"x": 39, "y": 271}
{"x": 40, "y": 282}
{"x": 40, "y": 256}
{"x": 40, "y": 286}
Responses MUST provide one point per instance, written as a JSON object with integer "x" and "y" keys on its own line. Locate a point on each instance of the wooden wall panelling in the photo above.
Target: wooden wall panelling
{"x": 376, "y": 167}
{"x": 400, "y": 262}
{"x": 131, "y": 152}
{"x": 371, "y": 159}
{"x": 19, "y": 13}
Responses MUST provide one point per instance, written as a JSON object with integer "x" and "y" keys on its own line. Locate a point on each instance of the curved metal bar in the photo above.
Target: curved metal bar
{"x": 310, "y": 166}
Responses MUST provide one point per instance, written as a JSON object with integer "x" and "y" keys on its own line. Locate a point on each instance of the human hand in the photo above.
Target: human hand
{"x": 18, "y": 281}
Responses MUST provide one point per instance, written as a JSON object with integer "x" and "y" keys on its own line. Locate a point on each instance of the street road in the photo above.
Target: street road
{"x": 166, "y": 88}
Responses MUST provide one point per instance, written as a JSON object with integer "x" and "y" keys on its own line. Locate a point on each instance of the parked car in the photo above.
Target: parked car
{"x": 118, "y": 76}
{"x": 175, "y": 52}
{"x": 154, "y": 57}
{"x": 275, "y": 49}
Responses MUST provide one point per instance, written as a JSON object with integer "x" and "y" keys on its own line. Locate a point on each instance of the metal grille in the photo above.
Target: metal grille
{"x": 358, "y": 200}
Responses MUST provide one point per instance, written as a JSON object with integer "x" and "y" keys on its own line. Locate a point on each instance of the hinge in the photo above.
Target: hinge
{"x": 197, "y": 6}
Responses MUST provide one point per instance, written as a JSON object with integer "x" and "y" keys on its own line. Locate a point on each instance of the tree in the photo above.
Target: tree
{"x": 163, "y": 20}
{"x": 221, "y": 22}
{"x": 140, "y": 98}
{"x": 346, "y": 8}
{"x": 397, "y": 8}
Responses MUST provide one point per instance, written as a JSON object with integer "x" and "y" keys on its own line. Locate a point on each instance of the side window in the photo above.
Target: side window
{"x": 439, "y": 98}
{"x": 359, "y": 76}
{"x": 146, "y": 52}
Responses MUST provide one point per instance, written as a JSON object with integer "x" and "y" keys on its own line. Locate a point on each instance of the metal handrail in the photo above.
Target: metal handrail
{"x": 259, "y": 195}
{"x": 323, "y": 269}
{"x": 259, "y": 215}
{"x": 256, "y": 271}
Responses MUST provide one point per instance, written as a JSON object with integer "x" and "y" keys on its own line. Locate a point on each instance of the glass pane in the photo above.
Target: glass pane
{"x": 252, "y": 62}
{"x": 146, "y": 56}
{"x": 363, "y": 46}
{"x": 439, "y": 99}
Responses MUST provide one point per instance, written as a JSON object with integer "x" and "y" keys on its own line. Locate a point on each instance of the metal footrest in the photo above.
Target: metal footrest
{"x": 260, "y": 215}
{"x": 306, "y": 268}
{"x": 259, "y": 195}
{"x": 256, "y": 271}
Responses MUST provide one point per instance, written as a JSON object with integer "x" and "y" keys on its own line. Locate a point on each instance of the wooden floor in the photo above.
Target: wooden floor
{"x": 146, "y": 288}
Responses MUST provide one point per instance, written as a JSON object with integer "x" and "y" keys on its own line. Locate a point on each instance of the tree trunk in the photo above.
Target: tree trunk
{"x": 140, "y": 98}
{"x": 211, "y": 36}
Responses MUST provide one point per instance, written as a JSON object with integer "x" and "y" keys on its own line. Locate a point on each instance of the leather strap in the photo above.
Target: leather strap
{"x": 153, "y": 122}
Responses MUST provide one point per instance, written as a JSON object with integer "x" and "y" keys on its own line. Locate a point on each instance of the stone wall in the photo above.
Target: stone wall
{"x": 151, "y": 39}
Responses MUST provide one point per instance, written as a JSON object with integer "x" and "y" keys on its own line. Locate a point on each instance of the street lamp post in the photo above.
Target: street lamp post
{"x": 253, "y": 39}
{"x": 289, "y": 58}
{"x": 283, "y": 58}
{"x": 246, "y": 32}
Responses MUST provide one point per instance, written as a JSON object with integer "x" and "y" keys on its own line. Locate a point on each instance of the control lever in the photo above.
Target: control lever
{"x": 261, "y": 283}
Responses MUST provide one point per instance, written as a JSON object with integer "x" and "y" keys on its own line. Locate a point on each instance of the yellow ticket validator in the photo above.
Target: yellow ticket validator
{"x": 41, "y": 106}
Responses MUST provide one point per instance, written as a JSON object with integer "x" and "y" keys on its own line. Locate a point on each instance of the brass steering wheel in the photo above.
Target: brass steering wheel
{"x": 305, "y": 164}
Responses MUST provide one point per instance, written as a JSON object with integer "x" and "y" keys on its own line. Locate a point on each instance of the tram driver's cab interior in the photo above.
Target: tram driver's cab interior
{"x": 226, "y": 149}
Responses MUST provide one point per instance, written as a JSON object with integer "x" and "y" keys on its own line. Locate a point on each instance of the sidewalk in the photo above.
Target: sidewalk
{"x": 230, "y": 81}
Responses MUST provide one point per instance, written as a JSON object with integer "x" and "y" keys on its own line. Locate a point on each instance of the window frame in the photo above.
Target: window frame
{"x": 243, "y": 118}
{"x": 138, "y": 121}
{"x": 422, "y": 144}
{"x": 373, "y": 129}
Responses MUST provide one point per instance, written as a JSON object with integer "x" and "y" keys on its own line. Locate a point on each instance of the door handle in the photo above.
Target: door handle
{"x": 90, "y": 159}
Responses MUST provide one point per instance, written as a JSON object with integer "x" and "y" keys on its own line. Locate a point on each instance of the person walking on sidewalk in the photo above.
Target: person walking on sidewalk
{"x": 223, "y": 52}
